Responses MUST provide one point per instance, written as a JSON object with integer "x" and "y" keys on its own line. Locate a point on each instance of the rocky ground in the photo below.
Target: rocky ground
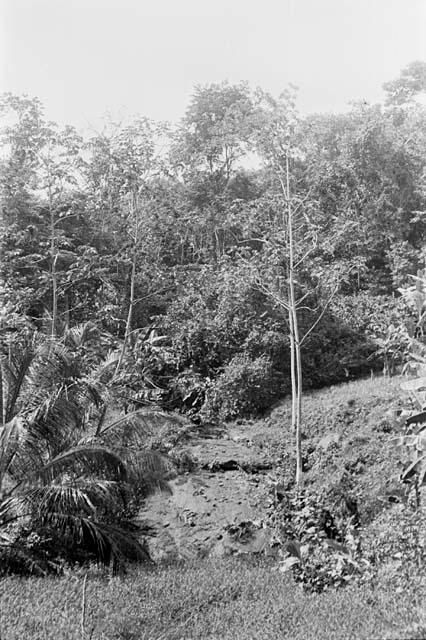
{"x": 219, "y": 507}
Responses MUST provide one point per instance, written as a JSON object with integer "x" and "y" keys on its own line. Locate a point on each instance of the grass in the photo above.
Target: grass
{"x": 213, "y": 599}
{"x": 363, "y": 461}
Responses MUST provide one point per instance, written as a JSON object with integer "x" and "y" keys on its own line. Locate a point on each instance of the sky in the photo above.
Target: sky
{"x": 84, "y": 58}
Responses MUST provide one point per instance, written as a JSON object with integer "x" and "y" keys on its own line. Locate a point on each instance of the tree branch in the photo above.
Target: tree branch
{"x": 319, "y": 317}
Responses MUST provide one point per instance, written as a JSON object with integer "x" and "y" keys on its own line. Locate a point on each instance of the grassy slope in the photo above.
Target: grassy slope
{"x": 231, "y": 598}
{"x": 358, "y": 415}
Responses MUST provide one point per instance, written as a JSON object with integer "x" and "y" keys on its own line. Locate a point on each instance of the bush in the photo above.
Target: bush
{"x": 222, "y": 324}
{"x": 349, "y": 341}
{"x": 223, "y": 335}
{"x": 321, "y": 548}
{"x": 245, "y": 388}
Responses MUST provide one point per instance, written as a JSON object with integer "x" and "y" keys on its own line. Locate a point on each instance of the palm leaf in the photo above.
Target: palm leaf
{"x": 149, "y": 471}
{"x": 15, "y": 508}
{"x": 81, "y": 496}
{"x": 415, "y": 467}
{"x": 52, "y": 362}
{"x": 103, "y": 371}
{"x": 52, "y": 424}
{"x": 107, "y": 541}
{"x": 60, "y": 497}
{"x": 80, "y": 334}
{"x": 10, "y": 435}
{"x": 14, "y": 371}
{"x": 138, "y": 426}
{"x": 83, "y": 459}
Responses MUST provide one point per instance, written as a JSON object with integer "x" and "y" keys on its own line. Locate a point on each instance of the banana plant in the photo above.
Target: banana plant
{"x": 412, "y": 448}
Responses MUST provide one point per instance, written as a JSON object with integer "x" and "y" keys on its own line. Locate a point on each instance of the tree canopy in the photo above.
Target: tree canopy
{"x": 161, "y": 234}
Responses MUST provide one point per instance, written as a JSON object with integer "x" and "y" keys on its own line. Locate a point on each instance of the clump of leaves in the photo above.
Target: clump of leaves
{"x": 246, "y": 387}
{"x": 413, "y": 452}
{"x": 393, "y": 347}
{"x": 321, "y": 548}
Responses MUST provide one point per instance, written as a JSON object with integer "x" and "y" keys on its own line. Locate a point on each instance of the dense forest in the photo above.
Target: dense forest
{"x": 157, "y": 265}
{"x": 173, "y": 240}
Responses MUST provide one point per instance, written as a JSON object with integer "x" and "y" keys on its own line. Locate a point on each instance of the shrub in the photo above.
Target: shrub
{"x": 321, "y": 548}
{"x": 245, "y": 387}
{"x": 352, "y": 339}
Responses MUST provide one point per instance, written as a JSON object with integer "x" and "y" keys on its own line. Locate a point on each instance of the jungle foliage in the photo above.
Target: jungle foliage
{"x": 148, "y": 268}
{"x": 172, "y": 239}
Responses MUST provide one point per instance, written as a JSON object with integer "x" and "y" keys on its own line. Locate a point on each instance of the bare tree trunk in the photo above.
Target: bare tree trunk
{"x": 294, "y": 338}
{"x": 299, "y": 461}
{"x": 129, "y": 314}
{"x": 54, "y": 257}
{"x": 128, "y": 328}
{"x": 293, "y": 373}
{"x": 2, "y": 397}
{"x": 67, "y": 311}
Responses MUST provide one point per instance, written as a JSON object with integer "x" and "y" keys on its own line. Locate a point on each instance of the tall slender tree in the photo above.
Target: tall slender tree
{"x": 290, "y": 245}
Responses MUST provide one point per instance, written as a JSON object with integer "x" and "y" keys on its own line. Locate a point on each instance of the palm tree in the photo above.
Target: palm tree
{"x": 67, "y": 473}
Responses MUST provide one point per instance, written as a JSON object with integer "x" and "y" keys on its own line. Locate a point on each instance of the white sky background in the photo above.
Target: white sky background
{"x": 85, "y": 57}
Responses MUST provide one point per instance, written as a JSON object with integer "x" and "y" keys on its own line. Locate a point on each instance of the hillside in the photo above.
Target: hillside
{"x": 226, "y": 478}
{"x": 219, "y": 505}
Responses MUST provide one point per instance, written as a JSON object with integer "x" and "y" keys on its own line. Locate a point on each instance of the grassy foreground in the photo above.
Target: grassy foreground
{"x": 216, "y": 599}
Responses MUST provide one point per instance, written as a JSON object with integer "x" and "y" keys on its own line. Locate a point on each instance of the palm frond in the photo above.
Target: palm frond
{"x": 149, "y": 471}
{"x": 80, "y": 334}
{"x": 81, "y": 496}
{"x": 59, "y": 415}
{"x": 83, "y": 459}
{"x": 60, "y": 497}
{"x": 10, "y": 436}
{"x": 15, "y": 367}
{"x": 20, "y": 451}
{"x": 102, "y": 372}
{"x": 138, "y": 426}
{"x": 14, "y": 509}
{"x": 52, "y": 362}
{"x": 132, "y": 436}
{"x": 51, "y": 367}
{"x": 107, "y": 542}
{"x": 53, "y": 421}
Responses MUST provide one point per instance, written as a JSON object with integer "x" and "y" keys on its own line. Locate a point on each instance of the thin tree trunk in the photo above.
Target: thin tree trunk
{"x": 54, "y": 298}
{"x": 293, "y": 373}
{"x": 294, "y": 326}
{"x": 129, "y": 313}
{"x": 2, "y": 397}
{"x": 132, "y": 292}
{"x": 54, "y": 257}
{"x": 67, "y": 311}
{"x": 299, "y": 461}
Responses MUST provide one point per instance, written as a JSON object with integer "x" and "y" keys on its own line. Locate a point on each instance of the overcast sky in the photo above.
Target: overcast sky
{"x": 84, "y": 57}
